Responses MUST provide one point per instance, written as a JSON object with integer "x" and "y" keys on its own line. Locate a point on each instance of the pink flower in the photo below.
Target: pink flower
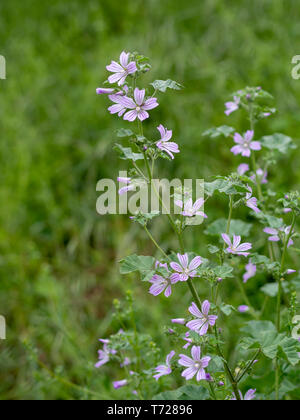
{"x": 195, "y": 365}
{"x": 250, "y": 272}
{"x": 118, "y": 107}
{"x": 203, "y": 320}
{"x": 250, "y": 395}
{"x": 180, "y": 321}
{"x": 232, "y": 106}
{"x": 245, "y": 144}
{"x": 161, "y": 284}
{"x": 274, "y": 234}
{"x": 139, "y": 106}
{"x": 162, "y": 370}
{"x": 251, "y": 202}
{"x": 190, "y": 209}
{"x": 104, "y": 355}
{"x": 236, "y": 247}
{"x": 184, "y": 269}
{"x": 164, "y": 143}
{"x": 243, "y": 168}
{"x": 291, "y": 271}
{"x": 105, "y": 91}
{"x": 120, "y": 384}
{"x": 121, "y": 70}
{"x": 243, "y": 308}
{"x": 129, "y": 186}
{"x": 261, "y": 175}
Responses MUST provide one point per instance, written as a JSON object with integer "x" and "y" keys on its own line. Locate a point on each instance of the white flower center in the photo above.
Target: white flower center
{"x": 246, "y": 145}
{"x": 197, "y": 365}
{"x": 138, "y": 108}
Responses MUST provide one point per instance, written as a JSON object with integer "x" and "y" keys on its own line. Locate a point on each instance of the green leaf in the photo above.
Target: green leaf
{"x": 163, "y": 85}
{"x": 122, "y": 132}
{"x": 278, "y": 142}
{"x": 223, "y": 271}
{"x": 214, "y": 132}
{"x": 237, "y": 227}
{"x": 128, "y": 154}
{"x": 213, "y": 249}
{"x": 270, "y": 289}
{"x": 143, "y": 264}
{"x": 227, "y": 309}
{"x": 193, "y": 392}
{"x": 264, "y": 336}
{"x": 186, "y": 392}
{"x": 144, "y": 218}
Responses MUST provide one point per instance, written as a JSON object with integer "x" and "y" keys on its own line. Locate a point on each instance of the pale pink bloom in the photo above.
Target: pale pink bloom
{"x": 105, "y": 91}
{"x": 236, "y": 247}
{"x": 190, "y": 209}
{"x": 261, "y": 175}
{"x": 161, "y": 284}
{"x": 250, "y": 271}
{"x": 180, "y": 321}
{"x": 203, "y": 321}
{"x": 118, "y": 107}
{"x": 104, "y": 355}
{"x": 291, "y": 271}
{"x": 125, "y": 362}
{"x": 274, "y": 234}
{"x": 243, "y": 168}
{"x": 166, "y": 369}
{"x": 287, "y": 210}
{"x": 232, "y": 106}
{"x": 195, "y": 365}
{"x": 250, "y": 395}
{"x": 243, "y": 308}
{"x": 245, "y": 144}
{"x": 121, "y": 70}
{"x": 128, "y": 187}
{"x": 120, "y": 384}
{"x": 251, "y": 202}
{"x": 185, "y": 270}
{"x": 165, "y": 144}
{"x": 139, "y": 106}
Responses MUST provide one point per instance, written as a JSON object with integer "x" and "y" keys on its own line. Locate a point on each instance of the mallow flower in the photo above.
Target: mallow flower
{"x": 165, "y": 144}
{"x": 190, "y": 209}
{"x": 204, "y": 320}
{"x": 236, "y": 247}
{"x": 185, "y": 270}
{"x": 250, "y": 271}
{"x": 243, "y": 168}
{"x": 138, "y": 106}
{"x": 120, "y": 384}
{"x": 274, "y": 234}
{"x": 122, "y": 69}
{"x": 195, "y": 365}
{"x": 244, "y": 145}
{"x": 104, "y": 355}
{"x": 250, "y": 395}
{"x": 161, "y": 284}
{"x": 251, "y": 202}
{"x": 232, "y": 105}
{"x": 128, "y": 187}
{"x": 166, "y": 369}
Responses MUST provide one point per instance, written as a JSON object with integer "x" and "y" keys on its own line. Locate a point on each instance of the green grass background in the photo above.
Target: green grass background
{"x": 58, "y": 270}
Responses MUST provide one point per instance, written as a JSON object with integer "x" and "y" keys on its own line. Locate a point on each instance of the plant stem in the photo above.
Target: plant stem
{"x": 230, "y": 215}
{"x": 227, "y": 368}
{"x": 155, "y": 243}
{"x": 278, "y": 310}
{"x": 250, "y": 364}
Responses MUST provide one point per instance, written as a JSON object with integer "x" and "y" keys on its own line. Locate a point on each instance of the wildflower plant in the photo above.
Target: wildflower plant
{"x": 197, "y": 336}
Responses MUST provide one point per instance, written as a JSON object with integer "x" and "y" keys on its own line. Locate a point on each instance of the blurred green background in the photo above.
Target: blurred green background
{"x": 58, "y": 258}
